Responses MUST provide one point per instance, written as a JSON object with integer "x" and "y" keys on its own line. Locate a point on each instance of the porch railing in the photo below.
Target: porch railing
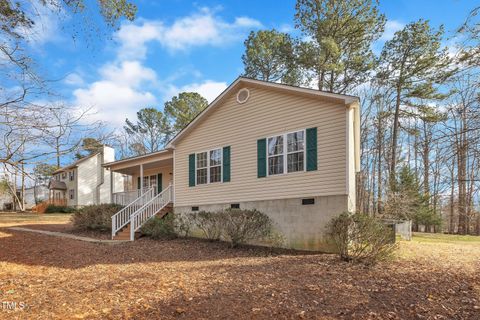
{"x": 127, "y": 197}
{"x": 150, "y": 209}
{"x": 122, "y": 217}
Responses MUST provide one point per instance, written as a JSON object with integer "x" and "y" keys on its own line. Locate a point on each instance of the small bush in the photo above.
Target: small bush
{"x": 210, "y": 223}
{"x": 95, "y": 217}
{"x": 361, "y": 238}
{"x": 59, "y": 209}
{"x": 241, "y": 226}
{"x": 183, "y": 224}
{"x": 159, "y": 228}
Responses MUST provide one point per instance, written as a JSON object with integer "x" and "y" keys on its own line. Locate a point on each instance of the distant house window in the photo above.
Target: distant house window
{"x": 71, "y": 194}
{"x": 64, "y": 175}
{"x": 57, "y": 177}
{"x": 209, "y": 166}
{"x": 71, "y": 175}
{"x": 286, "y": 153}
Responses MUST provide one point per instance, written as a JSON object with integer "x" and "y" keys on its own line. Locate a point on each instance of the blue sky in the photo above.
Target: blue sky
{"x": 179, "y": 45}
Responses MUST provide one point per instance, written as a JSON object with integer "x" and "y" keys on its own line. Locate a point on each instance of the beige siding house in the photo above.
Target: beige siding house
{"x": 86, "y": 181}
{"x": 289, "y": 152}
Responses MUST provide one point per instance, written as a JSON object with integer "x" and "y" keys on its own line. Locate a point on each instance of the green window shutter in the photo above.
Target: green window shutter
{"x": 226, "y": 164}
{"x": 311, "y": 149}
{"x": 261, "y": 158}
{"x": 159, "y": 183}
{"x": 191, "y": 170}
{"x": 138, "y": 182}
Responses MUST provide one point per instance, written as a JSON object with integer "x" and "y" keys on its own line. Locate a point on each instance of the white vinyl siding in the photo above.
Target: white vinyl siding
{"x": 240, "y": 126}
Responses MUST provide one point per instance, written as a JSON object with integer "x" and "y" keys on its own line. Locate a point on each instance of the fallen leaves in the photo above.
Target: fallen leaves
{"x": 193, "y": 279}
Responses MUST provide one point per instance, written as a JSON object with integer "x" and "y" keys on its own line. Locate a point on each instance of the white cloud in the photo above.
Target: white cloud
{"x": 126, "y": 85}
{"x": 120, "y": 92}
{"x": 46, "y": 27}
{"x": 207, "y": 89}
{"x": 391, "y": 27}
{"x": 74, "y": 79}
{"x": 247, "y": 22}
{"x": 130, "y": 73}
{"x": 287, "y": 28}
{"x": 198, "y": 29}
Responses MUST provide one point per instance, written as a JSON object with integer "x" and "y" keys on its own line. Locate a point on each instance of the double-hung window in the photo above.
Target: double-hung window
{"x": 209, "y": 166}
{"x": 286, "y": 153}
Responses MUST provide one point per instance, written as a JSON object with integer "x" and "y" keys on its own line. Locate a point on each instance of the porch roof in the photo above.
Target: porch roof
{"x": 161, "y": 158}
{"x": 57, "y": 185}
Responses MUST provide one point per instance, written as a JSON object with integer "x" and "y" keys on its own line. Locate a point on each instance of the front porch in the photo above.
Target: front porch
{"x": 140, "y": 174}
{"x": 147, "y": 191}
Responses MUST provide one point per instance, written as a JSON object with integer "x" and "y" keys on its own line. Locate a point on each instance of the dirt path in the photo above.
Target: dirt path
{"x": 66, "y": 235}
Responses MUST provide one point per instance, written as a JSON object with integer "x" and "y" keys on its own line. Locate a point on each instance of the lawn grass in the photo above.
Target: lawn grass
{"x": 17, "y": 218}
{"x": 445, "y": 238}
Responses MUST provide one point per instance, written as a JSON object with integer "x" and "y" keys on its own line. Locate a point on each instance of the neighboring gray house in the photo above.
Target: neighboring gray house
{"x": 86, "y": 181}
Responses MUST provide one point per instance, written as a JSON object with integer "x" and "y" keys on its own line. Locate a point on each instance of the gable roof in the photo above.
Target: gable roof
{"x": 241, "y": 82}
{"x": 76, "y": 163}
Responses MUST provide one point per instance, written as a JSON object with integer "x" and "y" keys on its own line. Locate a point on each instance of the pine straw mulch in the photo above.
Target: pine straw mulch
{"x": 193, "y": 279}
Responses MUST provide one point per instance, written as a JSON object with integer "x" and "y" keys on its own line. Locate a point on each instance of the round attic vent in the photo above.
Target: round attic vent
{"x": 243, "y": 95}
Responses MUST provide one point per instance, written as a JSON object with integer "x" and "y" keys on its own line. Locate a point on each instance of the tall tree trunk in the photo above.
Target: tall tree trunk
{"x": 379, "y": 168}
{"x": 426, "y": 160}
{"x": 396, "y": 122}
{"x": 57, "y": 151}
{"x": 451, "y": 226}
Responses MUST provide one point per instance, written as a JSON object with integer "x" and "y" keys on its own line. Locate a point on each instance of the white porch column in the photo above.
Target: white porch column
{"x": 141, "y": 179}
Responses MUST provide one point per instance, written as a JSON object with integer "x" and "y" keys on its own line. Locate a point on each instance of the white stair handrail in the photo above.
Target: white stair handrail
{"x": 150, "y": 209}
{"x": 122, "y": 217}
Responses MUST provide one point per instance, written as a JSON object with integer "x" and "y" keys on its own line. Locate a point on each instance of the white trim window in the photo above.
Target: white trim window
{"x": 296, "y": 151}
{"x": 202, "y": 168}
{"x": 71, "y": 175}
{"x": 215, "y": 164}
{"x": 150, "y": 181}
{"x": 275, "y": 155}
{"x": 286, "y": 151}
{"x": 208, "y": 166}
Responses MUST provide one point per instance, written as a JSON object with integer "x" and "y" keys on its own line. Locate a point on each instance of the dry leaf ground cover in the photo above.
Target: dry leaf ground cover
{"x": 433, "y": 277}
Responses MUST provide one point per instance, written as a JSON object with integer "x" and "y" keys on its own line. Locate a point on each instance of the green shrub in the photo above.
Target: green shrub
{"x": 361, "y": 238}
{"x": 160, "y": 228}
{"x": 241, "y": 226}
{"x": 95, "y": 217}
{"x": 183, "y": 224}
{"x": 59, "y": 209}
{"x": 210, "y": 223}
